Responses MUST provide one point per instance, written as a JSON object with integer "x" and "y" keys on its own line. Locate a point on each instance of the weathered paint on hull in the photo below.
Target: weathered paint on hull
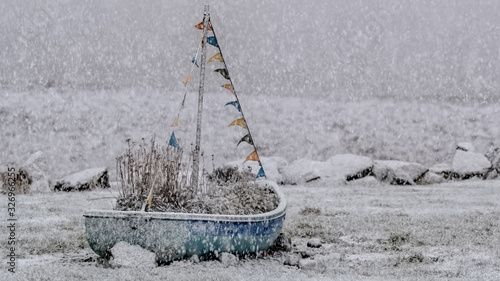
{"x": 175, "y": 236}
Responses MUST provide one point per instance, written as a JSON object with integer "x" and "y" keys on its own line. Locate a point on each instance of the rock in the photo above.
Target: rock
{"x": 291, "y": 259}
{"x": 271, "y": 165}
{"x": 336, "y": 170}
{"x": 282, "y": 243}
{"x": 314, "y": 243}
{"x": 442, "y": 169}
{"x": 303, "y": 171}
{"x": 228, "y": 259}
{"x": 194, "y": 259}
{"x": 85, "y": 180}
{"x": 430, "y": 178}
{"x": 469, "y": 164}
{"x": 306, "y": 254}
{"x": 465, "y": 146}
{"x": 493, "y": 155}
{"x": 33, "y": 174}
{"x": 398, "y": 172}
{"x": 348, "y": 166}
{"x": 307, "y": 264}
{"x": 128, "y": 255}
{"x": 491, "y": 175}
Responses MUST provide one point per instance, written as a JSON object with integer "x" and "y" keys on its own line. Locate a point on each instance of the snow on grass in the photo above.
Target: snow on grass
{"x": 369, "y": 232}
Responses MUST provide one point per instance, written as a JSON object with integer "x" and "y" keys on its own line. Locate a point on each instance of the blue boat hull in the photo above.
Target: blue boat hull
{"x": 173, "y": 236}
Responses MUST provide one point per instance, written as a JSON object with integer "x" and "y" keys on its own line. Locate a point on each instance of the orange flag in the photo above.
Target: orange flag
{"x": 239, "y": 122}
{"x": 217, "y": 56}
{"x": 200, "y": 26}
{"x": 252, "y": 157}
{"x": 176, "y": 122}
{"x": 187, "y": 79}
{"x": 229, "y": 87}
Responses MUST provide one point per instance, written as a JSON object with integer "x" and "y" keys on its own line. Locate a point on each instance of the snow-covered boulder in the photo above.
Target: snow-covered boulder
{"x": 348, "y": 166}
{"x": 430, "y": 178}
{"x": 128, "y": 255}
{"x": 33, "y": 174}
{"x": 303, "y": 171}
{"x": 469, "y": 164}
{"x": 227, "y": 259}
{"x": 85, "y": 180}
{"x": 336, "y": 170}
{"x": 398, "y": 172}
{"x": 271, "y": 165}
{"x": 493, "y": 155}
{"x": 442, "y": 169}
{"x": 465, "y": 146}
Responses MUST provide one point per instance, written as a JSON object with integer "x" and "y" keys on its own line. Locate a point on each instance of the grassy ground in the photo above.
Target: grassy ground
{"x": 376, "y": 232}
{"x": 79, "y": 130}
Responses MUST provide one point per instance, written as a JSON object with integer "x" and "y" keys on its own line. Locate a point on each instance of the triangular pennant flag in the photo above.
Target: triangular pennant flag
{"x": 252, "y": 157}
{"x": 223, "y": 72}
{"x": 246, "y": 138}
{"x": 150, "y": 199}
{"x": 217, "y": 56}
{"x": 194, "y": 61}
{"x": 200, "y": 26}
{"x": 176, "y": 122}
{"x": 187, "y": 80}
{"x": 173, "y": 141}
{"x": 229, "y": 87}
{"x": 261, "y": 173}
{"x": 239, "y": 122}
{"x": 212, "y": 41}
{"x": 236, "y": 104}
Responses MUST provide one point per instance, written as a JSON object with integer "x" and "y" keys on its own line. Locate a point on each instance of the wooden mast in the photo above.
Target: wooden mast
{"x": 196, "y": 153}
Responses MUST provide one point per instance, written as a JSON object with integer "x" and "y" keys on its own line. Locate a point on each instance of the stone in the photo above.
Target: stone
{"x": 465, "y": 146}
{"x": 194, "y": 259}
{"x": 493, "y": 155}
{"x": 430, "y": 178}
{"x": 31, "y": 176}
{"x": 442, "y": 169}
{"x": 349, "y": 166}
{"x": 314, "y": 243}
{"x": 227, "y": 259}
{"x": 85, "y": 180}
{"x": 398, "y": 172}
{"x": 334, "y": 171}
{"x": 308, "y": 264}
{"x": 127, "y": 255}
{"x": 282, "y": 243}
{"x": 271, "y": 165}
{"x": 469, "y": 164}
{"x": 291, "y": 259}
{"x": 302, "y": 171}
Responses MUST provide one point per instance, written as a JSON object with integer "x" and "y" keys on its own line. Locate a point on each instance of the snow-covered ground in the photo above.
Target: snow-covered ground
{"x": 369, "y": 232}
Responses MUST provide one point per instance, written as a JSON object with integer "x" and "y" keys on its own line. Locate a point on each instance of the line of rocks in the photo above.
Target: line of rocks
{"x": 34, "y": 176}
{"x": 340, "y": 169}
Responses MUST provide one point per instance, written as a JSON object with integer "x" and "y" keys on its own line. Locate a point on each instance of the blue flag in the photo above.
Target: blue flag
{"x": 261, "y": 173}
{"x": 194, "y": 61}
{"x": 235, "y": 103}
{"x": 212, "y": 41}
{"x": 173, "y": 141}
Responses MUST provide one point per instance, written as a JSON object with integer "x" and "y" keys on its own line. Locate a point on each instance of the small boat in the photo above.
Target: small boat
{"x": 174, "y": 236}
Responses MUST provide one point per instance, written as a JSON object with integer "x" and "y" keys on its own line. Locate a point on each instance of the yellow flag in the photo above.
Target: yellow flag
{"x": 150, "y": 199}
{"x": 217, "y": 56}
{"x": 229, "y": 87}
{"x": 176, "y": 122}
{"x": 252, "y": 157}
{"x": 239, "y": 122}
{"x": 187, "y": 79}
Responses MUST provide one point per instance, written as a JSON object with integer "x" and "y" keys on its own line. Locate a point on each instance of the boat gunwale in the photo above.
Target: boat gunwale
{"x": 278, "y": 212}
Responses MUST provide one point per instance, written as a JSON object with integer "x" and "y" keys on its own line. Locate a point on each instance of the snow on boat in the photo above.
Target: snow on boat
{"x": 173, "y": 236}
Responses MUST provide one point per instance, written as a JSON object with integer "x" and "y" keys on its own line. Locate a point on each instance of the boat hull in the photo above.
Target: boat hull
{"x": 173, "y": 236}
